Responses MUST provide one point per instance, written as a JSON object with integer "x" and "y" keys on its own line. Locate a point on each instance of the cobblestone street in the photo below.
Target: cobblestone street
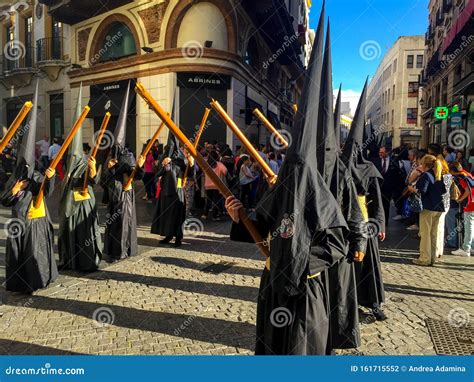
{"x": 201, "y": 299}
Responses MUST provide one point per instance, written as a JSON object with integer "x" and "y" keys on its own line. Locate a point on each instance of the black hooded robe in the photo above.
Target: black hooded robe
{"x": 30, "y": 263}
{"x": 295, "y": 324}
{"x": 370, "y": 288}
{"x": 344, "y": 317}
{"x": 170, "y": 208}
{"x": 79, "y": 241}
{"x": 121, "y": 224}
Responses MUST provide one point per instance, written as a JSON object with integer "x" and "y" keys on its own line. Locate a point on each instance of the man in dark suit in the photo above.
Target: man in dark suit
{"x": 392, "y": 179}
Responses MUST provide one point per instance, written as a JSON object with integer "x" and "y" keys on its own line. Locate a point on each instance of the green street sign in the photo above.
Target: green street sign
{"x": 441, "y": 112}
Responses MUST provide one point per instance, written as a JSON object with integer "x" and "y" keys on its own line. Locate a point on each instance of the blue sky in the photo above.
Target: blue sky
{"x": 370, "y": 26}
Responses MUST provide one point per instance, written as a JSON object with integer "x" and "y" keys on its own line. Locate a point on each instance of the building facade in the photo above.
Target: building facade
{"x": 448, "y": 76}
{"x": 393, "y": 94}
{"x": 185, "y": 53}
{"x": 34, "y": 46}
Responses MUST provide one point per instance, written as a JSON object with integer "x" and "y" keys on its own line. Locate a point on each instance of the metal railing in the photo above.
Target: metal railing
{"x": 19, "y": 56}
{"x": 49, "y": 49}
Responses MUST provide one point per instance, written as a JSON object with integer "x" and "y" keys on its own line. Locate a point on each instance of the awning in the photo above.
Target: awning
{"x": 103, "y": 100}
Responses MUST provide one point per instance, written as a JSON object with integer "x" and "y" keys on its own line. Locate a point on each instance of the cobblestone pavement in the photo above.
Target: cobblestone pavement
{"x": 173, "y": 301}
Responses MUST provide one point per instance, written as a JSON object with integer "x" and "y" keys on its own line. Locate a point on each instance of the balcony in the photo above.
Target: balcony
{"x": 50, "y": 56}
{"x": 72, "y": 12}
{"x": 18, "y": 65}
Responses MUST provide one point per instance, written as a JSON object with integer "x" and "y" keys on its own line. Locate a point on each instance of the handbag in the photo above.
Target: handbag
{"x": 414, "y": 202}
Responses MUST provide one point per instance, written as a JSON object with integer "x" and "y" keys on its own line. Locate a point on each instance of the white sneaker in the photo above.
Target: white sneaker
{"x": 460, "y": 252}
{"x": 413, "y": 227}
{"x": 398, "y": 217}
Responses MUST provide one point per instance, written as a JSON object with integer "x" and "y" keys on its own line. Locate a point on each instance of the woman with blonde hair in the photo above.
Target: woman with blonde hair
{"x": 431, "y": 188}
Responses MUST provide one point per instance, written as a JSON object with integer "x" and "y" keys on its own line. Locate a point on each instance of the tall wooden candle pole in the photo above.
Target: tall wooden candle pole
{"x": 101, "y": 133}
{"x": 144, "y": 154}
{"x": 62, "y": 150}
{"x": 270, "y": 127}
{"x": 270, "y": 175}
{"x": 196, "y": 141}
{"x": 201, "y": 162}
{"x": 15, "y": 125}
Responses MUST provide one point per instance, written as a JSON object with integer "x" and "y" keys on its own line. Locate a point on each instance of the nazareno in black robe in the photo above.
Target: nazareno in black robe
{"x": 344, "y": 317}
{"x": 170, "y": 208}
{"x": 296, "y": 324}
{"x": 120, "y": 239}
{"x": 79, "y": 241}
{"x": 30, "y": 263}
{"x": 370, "y": 288}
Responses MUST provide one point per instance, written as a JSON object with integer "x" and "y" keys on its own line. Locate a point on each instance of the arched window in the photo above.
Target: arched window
{"x": 251, "y": 54}
{"x": 117, "y": 43}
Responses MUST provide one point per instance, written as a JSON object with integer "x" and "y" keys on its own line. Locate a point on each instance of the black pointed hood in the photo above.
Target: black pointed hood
{"x": 25, "y": 164}
{"x": 120, "y": 132}
{"x": 172, "y": 146}
{"x": 337, "y": 119}
{"x": 75, "y": 155}
{"x": 300, "y": 205}
{"x": 352, "y": 153}
{"x": 326, "y": 138}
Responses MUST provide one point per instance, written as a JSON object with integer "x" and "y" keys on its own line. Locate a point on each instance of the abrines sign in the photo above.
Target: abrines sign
{"x": 203, "y": 80}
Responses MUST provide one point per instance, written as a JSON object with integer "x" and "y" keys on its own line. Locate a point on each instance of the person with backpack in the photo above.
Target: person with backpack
{"x": 431, "y": 188}
{"x": 466, "y": 181}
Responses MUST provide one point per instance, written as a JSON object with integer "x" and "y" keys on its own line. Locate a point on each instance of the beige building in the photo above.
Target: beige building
{"x": 393, "y": 93}
{"x": 241, "y": 53}
{"x": 34, "y": 46}
{"x": 448, "y": 76}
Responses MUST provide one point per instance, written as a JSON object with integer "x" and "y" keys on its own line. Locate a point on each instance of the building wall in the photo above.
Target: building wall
{"x": 447, "y": 76}
{"x": 388, "y": 108}
{"x": 47, "y": 86}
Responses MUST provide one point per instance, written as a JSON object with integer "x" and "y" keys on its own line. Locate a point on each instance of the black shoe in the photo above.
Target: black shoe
{"x": 177, "y": 243}
{"x": 166, "y": 240}
{"x": 379, "y": 315}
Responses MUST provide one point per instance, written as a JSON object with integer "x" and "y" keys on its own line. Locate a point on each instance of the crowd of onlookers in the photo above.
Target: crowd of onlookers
{"x": 432, "y": 192}
{"x": 431, "y": 189}
{"x": 239, "y": 172}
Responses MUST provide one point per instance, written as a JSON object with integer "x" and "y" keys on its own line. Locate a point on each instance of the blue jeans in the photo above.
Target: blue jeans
{"x": 468, "y": 231}
{"x": 452, "y": 228}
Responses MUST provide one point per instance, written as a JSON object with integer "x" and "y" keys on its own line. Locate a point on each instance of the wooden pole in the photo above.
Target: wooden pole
{"x": 101, "y": 133}
{"x": 270, "y": 175}
{"x": 196, "y": 141}
{"x": 270, "y": 127}
{"x": 144, "y": 154}
{"x": 15, "y": 125}
{"x": 202, "y": 163}
{"x": 62, "y": 150}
